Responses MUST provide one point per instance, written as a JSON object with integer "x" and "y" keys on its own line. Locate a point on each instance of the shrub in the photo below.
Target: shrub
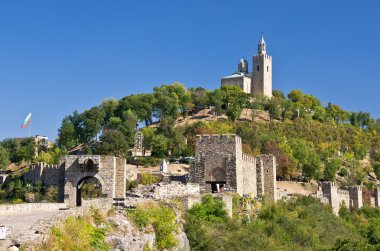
{"x": 131, "y": 184}
{"x": 210, "y": 210}
{"x": 76, "y": 234}
{"x": 162, "y": 219}
{"x": 148, "y": 179}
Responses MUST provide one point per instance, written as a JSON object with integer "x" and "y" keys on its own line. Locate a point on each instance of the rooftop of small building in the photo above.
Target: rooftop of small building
{"x": 238, "y": 75}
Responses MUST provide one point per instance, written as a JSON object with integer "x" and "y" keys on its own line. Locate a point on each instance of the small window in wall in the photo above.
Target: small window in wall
{"x": 258, "y": 68}
{"x": 267, "y": 68}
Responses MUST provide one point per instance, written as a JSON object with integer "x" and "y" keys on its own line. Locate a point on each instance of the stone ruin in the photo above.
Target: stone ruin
{"x": 220, "y": 165}
{"x": 110, "y": 171}
{"x": 352, "y": 198}
{"x": 69, "y": 175}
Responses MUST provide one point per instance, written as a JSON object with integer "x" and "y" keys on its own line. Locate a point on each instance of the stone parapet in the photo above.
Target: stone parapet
{"x": 30, "y": 207}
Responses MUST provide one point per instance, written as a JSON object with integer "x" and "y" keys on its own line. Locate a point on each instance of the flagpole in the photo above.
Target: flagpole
{"x": 30, "y": 124}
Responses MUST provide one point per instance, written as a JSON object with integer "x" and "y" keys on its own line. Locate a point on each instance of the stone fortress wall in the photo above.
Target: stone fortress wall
{"x": 219, "y": 160}
{"x": 47, "y": 174}
{"x": 110, "y": 171}
{"x": 351, "y": 198}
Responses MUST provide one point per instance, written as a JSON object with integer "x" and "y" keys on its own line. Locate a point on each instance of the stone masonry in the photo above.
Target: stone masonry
{"x": 110, "y": 171}
{"x": 351, "y": 198}
{"x": 47, "y": 174}
{"x": 220, "y": 165}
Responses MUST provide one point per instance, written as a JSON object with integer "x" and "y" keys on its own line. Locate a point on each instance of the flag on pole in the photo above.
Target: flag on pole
{"x": 27, "y": 120}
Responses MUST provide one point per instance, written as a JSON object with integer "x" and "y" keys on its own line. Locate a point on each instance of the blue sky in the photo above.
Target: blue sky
{"x": 61, "y": 56}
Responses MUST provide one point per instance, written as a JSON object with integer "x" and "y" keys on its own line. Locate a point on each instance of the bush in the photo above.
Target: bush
{"x": 210, "y": 210}
{"x": 144, "y": 161}
{"x": 76, "y": 234}
{"x": 162, "y": 219}
{"x": 148, "y": 179}
{"x": 131, "y": 184}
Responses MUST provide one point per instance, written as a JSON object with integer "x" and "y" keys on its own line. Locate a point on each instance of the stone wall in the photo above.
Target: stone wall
{"x": 30, "y": 207}
{"x": 120, "y": 178}
{"x": 352, "y": 198}
{"x": 243, "y": 81}
{"x": 220, "y": 159}
{"x": 166, "y": 190}
{"x": 131, "y": 172}
{"x": 356, "y": 197}
{"x": 260, "y": 177}
{"x": 269, "y": 174}
{"x": 249, "y": 175}
{"x": 215, "y": 161}
{"x": 47, "y": 174}
{"x": 106, "y": 169}
{"x": 343, "y": 198}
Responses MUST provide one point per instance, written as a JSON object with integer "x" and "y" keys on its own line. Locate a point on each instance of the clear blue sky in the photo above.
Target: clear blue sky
{"x": 61, "y": 56}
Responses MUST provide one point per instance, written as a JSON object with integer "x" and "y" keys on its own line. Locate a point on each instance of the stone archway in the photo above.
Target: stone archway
{"x": 82, "y": 183}
{"x": 110, "y": 171}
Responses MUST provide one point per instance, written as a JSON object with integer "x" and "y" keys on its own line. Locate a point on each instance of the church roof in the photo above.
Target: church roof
{"x": 238, "y": 75}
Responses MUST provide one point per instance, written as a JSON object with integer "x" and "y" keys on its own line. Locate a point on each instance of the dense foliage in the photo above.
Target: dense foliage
{"x": 15, "y": 190}
{"x": 18, "y": 150}
{"x": 309, "y": 140}
{"x": 299, "y": 224}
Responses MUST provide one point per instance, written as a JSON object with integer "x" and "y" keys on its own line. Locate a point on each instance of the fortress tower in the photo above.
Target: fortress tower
{"x": 221, "y": 165}
{"x": 262, "y": 71}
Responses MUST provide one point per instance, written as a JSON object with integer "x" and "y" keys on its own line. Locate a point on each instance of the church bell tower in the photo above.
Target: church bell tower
{"x": 262, "y": 71}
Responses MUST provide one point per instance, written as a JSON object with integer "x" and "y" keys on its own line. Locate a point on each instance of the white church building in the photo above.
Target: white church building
{"x": 257, "y": 82}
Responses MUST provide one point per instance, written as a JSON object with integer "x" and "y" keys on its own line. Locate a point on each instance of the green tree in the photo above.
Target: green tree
{"x": 66, "y": 134}
{"x": 27, "y": 149}
{"x": 141, "y": 104}
{"x": 4, "y": 158}
{"x": 159, "y": 146}
{"x": 92, "y": 122}
{"x": 230, "y": 98}
{"x": 200, "y": 97}
{"x": 295, "y": 95}
{"x": 331, "y": 168}
{"x": 109, "y": 107}
{"x": 171, "y": 99}
{"x": 13, "y": 147}
{"x": 113, "y": 142}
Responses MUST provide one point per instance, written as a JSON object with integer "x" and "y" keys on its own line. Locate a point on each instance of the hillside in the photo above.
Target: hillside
{"x": 310, "y": 141}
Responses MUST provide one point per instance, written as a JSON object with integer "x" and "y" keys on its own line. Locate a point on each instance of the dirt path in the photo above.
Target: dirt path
{"x": 296, "y": 187}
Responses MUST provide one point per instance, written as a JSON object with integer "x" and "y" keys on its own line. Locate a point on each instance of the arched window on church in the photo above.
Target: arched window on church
{"x": 258, "y": 68}
{"x": 267, "y": 68}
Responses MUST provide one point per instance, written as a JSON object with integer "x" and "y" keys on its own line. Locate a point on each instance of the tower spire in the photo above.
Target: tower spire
{"x": 262, "y": 47}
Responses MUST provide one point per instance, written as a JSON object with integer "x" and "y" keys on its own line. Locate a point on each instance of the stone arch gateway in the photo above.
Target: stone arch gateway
{"x": 110, "y": 171}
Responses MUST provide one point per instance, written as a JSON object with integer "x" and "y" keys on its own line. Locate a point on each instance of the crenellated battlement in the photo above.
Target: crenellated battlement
{"x": 46, "y": 173}
{"x": 217, "y": 138}
{"x": 352, "y": 197}
{"x": 42, "y": 165}
{"x": 343, "y": 192}
{"x": 265, "y": 56}
{"x": 248, "y": 158}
